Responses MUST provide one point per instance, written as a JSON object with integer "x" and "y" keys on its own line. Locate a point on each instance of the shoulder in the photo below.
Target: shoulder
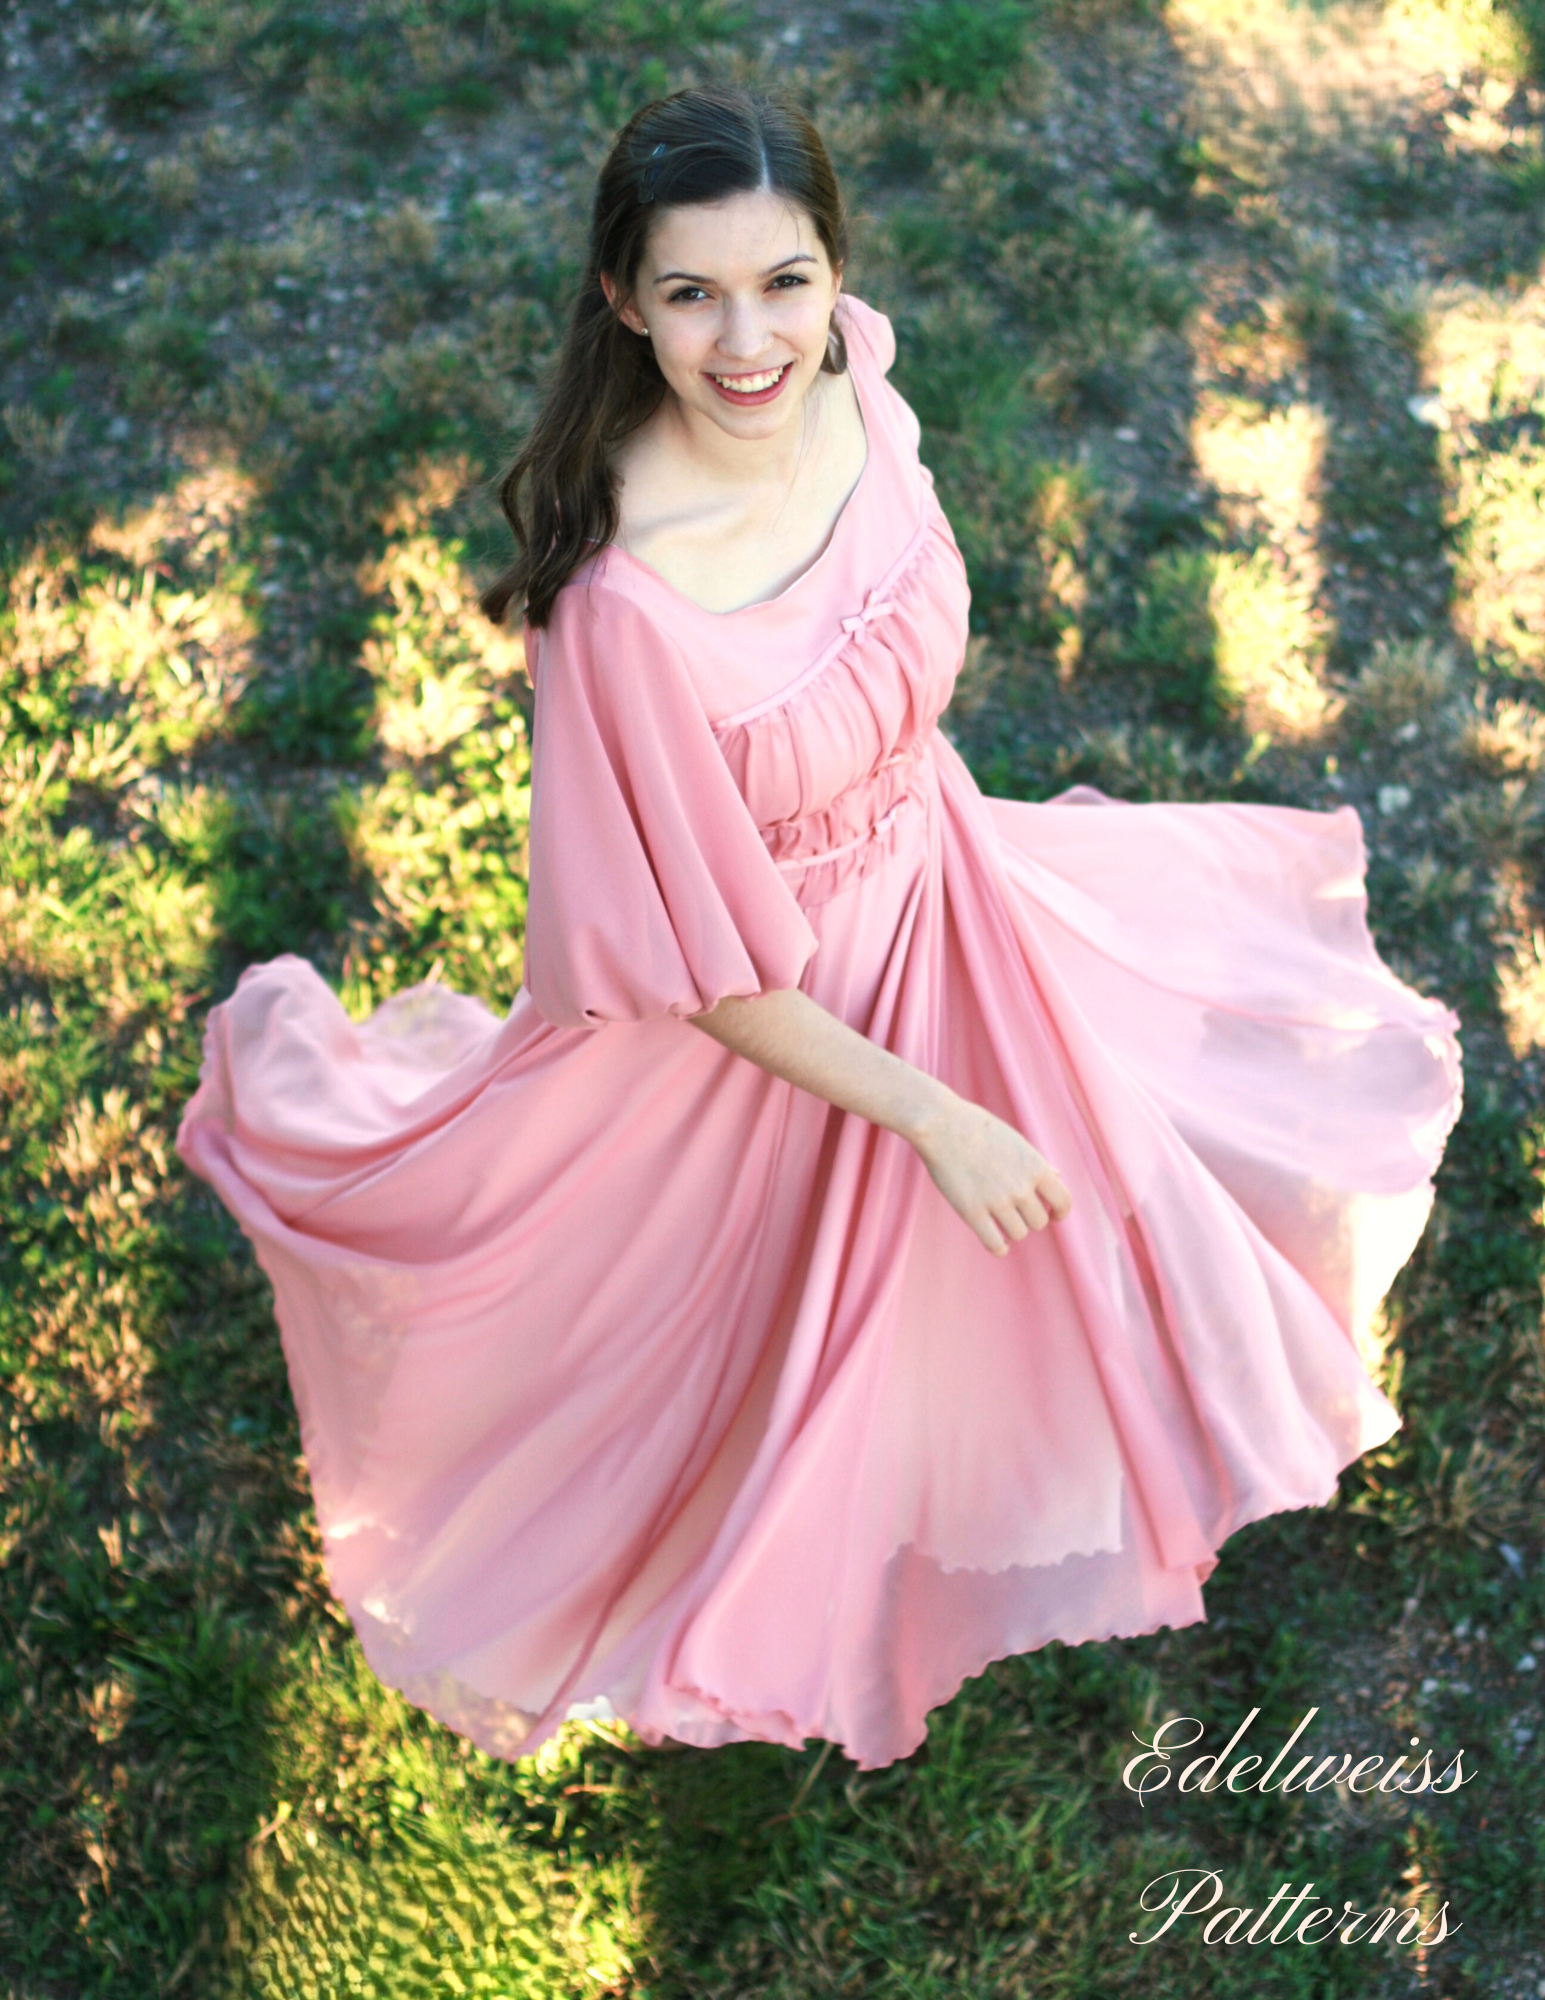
{"x": 868, "y": 328}
{"x": 604, "y": 618}
{"x": 872, "y": 340}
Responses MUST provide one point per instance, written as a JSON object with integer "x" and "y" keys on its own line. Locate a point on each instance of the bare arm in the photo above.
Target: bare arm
{"x": 989, "y": 1173}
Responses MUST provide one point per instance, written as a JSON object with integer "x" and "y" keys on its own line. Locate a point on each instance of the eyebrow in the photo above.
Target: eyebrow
{"x": 799, "y": 257}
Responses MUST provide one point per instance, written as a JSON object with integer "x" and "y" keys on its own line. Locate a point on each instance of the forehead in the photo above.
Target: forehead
{"x": 741, "y": 235}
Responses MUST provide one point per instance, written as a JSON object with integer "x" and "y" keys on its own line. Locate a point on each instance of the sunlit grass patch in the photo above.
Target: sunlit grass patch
{"x": 1266, "y": 466}
{"x": 1497, "y": 125}
{"x": 1484, "y": 359}
{"x": 1226, "y": 637}
{"x": 1269, "y": 643}
{"x": 1498, "y": 505}
{"x": 110, "y": 656}
{"x": 1507, "y": 737}
{"x": 1484, "y": 352}
{"x": 1459, "y": 34}
{"x": 435, "y": 663}
{"x": 390, "y": 1858}
{"x": 441, "y": 838}
{"x": 1521, "y": 994}
{"x": 440, "y": 1906}
{"x": 1275, "y": 79}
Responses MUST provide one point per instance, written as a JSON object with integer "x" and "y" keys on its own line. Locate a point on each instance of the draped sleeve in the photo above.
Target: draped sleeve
{"x": 651, "y": 890}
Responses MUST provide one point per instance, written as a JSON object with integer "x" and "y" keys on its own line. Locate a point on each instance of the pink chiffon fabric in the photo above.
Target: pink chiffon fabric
{"x": 635, "y": 1381}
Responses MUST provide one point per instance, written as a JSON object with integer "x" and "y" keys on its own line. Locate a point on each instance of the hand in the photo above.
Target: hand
{"x": 990, "y": 1174}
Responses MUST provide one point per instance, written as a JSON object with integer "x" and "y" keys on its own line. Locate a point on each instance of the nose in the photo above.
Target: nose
{"x": 744, "y": 334}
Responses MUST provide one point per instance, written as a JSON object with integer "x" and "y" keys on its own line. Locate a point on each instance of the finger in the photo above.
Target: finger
{"x": 1033, "y": 1213}
{"x": 1053, "y": 1191}
{"x": 1012, "y": 1221}
{"x": 987, "y": 1229}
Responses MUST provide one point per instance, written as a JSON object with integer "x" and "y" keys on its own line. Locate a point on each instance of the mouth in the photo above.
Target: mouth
{"x": 746, "y": 390}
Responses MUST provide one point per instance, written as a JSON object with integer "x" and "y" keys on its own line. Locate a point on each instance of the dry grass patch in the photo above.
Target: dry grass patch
{"x": 1521, "y": 994}
{"x": 42, "y": 441}
{"x": 1498, "y": 821}
{"x": 1403, "y": 681}
{"x": 1506, "y": 737}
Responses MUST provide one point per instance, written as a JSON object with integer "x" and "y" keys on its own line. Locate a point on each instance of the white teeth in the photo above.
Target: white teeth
{"x": 748, "y": 385}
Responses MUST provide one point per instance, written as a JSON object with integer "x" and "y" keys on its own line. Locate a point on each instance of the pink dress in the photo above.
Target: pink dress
{"x": 634, "y": 1380}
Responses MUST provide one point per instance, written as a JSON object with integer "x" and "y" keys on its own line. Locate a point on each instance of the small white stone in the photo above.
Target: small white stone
{"x": 1527, "y": 1664}
{"x": 1394, "y": 798}
{"x": 1430, "y": 1686}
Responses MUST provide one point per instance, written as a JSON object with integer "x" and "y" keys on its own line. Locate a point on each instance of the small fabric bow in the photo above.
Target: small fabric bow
{"x": 872, "y": 608}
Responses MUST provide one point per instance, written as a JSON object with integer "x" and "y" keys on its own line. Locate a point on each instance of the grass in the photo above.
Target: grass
{"x": 1225, "y": 329}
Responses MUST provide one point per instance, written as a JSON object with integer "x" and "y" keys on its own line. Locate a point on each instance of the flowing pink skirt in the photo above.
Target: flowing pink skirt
{"x": 634, "y": 1380}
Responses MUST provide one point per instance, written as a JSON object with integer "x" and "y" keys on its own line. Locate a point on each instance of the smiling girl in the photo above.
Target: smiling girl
{"x": 647, "y": 1360}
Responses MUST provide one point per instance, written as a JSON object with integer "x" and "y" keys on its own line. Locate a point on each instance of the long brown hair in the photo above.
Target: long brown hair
{"x": 697, "y": 145}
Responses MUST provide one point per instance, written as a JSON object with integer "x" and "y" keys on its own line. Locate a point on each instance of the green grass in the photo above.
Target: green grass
{"x": 964, "y": 50}
{"x": 282, "y": 281}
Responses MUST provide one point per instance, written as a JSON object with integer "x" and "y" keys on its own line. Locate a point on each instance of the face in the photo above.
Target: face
{"x": 737, "y": 296}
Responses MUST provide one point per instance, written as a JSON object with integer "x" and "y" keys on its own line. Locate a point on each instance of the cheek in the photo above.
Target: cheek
{"x": 680, "y": 357}
{"x": 812, "y": 319}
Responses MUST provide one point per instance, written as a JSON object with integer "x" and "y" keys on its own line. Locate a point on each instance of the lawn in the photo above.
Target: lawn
{"x": 1225, "y": 323}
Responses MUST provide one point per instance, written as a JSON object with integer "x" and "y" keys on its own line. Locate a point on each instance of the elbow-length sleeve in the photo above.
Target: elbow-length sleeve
{"x": 651, "y": 890}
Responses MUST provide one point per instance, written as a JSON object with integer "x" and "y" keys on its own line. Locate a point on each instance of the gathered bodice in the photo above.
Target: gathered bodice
{"x": 835, "y": 766}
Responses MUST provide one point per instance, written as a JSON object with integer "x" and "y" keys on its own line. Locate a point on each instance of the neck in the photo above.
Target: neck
{"x": 731, "y": 461}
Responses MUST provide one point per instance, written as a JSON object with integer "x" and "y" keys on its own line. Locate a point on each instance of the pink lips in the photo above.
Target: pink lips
{"x": 761, "y": 395}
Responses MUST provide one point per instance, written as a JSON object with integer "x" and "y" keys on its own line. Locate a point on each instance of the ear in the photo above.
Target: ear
{"x": 630, "y": 316}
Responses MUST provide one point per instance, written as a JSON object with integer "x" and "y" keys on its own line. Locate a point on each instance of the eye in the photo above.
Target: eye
{"x": 685, "y": 292}
{"x": 790, "y": 278}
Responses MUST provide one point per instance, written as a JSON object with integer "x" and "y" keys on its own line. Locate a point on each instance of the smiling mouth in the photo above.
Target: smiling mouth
{"x": 748, "y": 388}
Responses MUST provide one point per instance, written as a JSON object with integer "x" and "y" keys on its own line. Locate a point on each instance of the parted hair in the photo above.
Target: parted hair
{"x": 698, "y": 145}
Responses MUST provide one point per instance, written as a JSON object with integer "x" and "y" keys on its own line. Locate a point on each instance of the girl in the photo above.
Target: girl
{"x": 647, "y": 1360}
